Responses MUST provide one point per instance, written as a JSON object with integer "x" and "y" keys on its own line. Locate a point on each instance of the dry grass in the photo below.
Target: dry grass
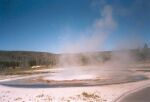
{"x": 18, "y": 99}
{"x": 90, "y": 95}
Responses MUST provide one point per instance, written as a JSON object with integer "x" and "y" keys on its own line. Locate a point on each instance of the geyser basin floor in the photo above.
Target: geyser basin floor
{"x": 34, "y": 89}
{"x": 107, "y": 93}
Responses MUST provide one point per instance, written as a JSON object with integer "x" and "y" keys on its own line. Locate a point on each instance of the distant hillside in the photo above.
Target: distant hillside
{"x": 24, "y": 59}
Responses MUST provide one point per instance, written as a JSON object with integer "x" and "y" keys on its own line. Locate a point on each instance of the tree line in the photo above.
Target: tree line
{"x": 29, "y": 59}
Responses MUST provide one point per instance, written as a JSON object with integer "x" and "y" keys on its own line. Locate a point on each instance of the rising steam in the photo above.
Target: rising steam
{"x": 93, "y": 38}
{"x": 82, "y": 51}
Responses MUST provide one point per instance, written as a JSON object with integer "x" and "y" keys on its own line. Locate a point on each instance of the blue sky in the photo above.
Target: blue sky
{"x": 51, "y": 25}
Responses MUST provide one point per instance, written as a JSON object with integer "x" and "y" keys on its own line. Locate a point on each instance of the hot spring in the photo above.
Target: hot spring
{"x": 77, "y": 77}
